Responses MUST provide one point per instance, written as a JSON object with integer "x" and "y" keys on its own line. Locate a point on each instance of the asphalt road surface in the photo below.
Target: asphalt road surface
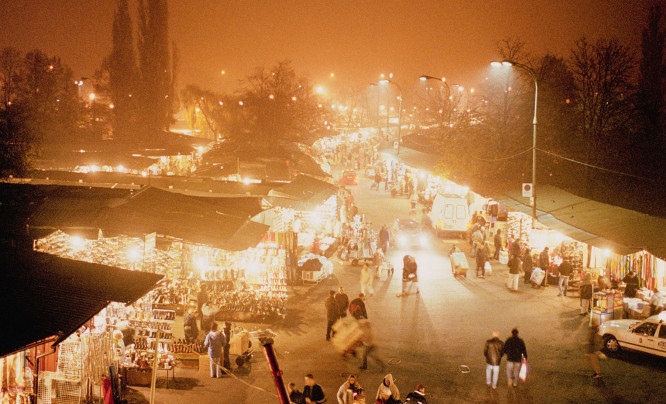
{"x": 433, "y": 337}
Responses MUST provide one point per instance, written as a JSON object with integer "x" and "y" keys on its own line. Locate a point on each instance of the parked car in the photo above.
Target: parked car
{"x": 349, "y": 177}
{"x": 647, "y": 335}
{"x": 408, "y": 233}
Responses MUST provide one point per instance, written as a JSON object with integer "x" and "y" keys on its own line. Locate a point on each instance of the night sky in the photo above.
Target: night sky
{"x": 355, "y": 40}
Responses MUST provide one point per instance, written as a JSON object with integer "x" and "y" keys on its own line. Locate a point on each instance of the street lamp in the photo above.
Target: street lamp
{"x": 425, "y": 77}
{"x": 530, "y": 71}
{"x": 389, "y": 81}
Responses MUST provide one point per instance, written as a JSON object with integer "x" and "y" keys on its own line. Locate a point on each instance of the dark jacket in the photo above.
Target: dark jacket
{"x": 332, "y": 311}
{"x": 514, "y": 348}
{"x": 493, "y": 351}
{"x": 515, "y": 248}
{"x": 528, "y": 264}
{"x": 357, "y": 308}
{"x": 415, "y": 397}
{"x": 409, "y": 271}
{"x": 632, "y": 285}
{"x": 586, "y": 290}
{"x": 566, "y": 268}
{"x": 481, "y": 257}
{"x": 190, "y": 326}
{"x": 544, "y": 260}
{"x": 314, "y": 393}
{"x": 498, "y": 240}
{"x": 343, "y": 302}
{"x": 514, "y": 265}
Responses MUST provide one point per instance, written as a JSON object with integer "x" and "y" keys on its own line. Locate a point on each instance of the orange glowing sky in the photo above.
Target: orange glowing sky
{"x": 356, "y": 40}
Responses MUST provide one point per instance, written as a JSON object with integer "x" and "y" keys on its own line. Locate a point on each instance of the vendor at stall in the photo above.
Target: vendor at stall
{"x": 190, "y": 328}
{"x": 631, "y": 280}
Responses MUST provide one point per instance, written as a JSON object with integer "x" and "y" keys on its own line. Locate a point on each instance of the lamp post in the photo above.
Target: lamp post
{"x": 425, "y": 77}
{"x": 389, "y": 81}
{"x": 530, "y": 71}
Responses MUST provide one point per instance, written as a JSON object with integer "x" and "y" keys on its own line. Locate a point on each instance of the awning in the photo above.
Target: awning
{"x": 43, "y": 295}
{"x": 303, "y": 193}
{"x": 623, "y": 231}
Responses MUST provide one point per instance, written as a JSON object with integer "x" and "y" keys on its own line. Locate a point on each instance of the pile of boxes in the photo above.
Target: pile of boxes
{"x": 606, "y": 306}
{"x": 636, "y": 308}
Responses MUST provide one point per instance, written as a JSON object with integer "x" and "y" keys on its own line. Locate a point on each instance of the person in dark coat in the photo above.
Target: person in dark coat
{"x": 515, "y": 249}
{"x": 342, "y": 300}
{"x": 312, "y": 391}
{"x": 226, "y": 362}
{"x": 544, "y": 263}
{"x": 493, "y": 351}
{"x": 190, "y": 327}
{"x": 515, "y": 350}
{"x": 498, "y": 243}
{"x": 528, "y": 264}
{"x": 481, "y": 258}
{"x": 417, "y": 396}
{"x": 565, "y": 272}
{"x": 631, "y": 280}
{"x": 384, "y": 237}
{"x": 332, "y": 313}
{"x": 295, "y": 396}
{"x": 409, "y": 274}
{"x": 357, "y": 307}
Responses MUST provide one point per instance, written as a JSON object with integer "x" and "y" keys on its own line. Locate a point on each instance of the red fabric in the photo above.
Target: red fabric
{"x": 107, "y": 391}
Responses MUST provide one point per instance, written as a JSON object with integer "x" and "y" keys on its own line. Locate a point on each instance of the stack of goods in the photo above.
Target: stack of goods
{"x": 574, "y": 252}
{"x": 519, "y": 225}
{"x": 181, "y": 346}
{"x": 606, "y": 306}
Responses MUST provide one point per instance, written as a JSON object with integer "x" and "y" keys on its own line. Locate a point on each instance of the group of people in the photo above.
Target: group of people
{"x": 387, "y": 392}
{"x": 515, "y": 351}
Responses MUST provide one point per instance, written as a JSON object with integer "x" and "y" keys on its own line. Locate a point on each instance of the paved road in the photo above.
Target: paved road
{"x": 429, "y": 336}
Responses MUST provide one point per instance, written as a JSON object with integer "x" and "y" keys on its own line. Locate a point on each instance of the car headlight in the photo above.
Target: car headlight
{"x": 423, "y": 239}
{"x": 402, "y": 239}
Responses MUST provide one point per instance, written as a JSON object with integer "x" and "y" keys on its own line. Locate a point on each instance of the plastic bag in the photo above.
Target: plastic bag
{"x": 522, "y": 374}
{"x": 487, "y": 268}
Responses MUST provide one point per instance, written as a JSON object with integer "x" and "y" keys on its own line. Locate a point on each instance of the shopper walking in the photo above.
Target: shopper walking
{"x": 514, "y": 348}
{"x": 313, "y": 392}
{"x": 592, "y": 347}
{"x": 332, "y": 313}
{"x": 565, "y": 272}
{"x": 214, "y": 341}
{"x": 409, "y": 275}
{"x": 367, "y": 278}
{"x": 295, "y": 395}
{"x": 493, "y": 351}
{"x": 481, "y": 258}
{"x": 528, "y": 264}
{"x": 514, "y": 272}
{"x": 585, "y": 293}
{"x": 497, "y": 239}
{"x": 384, "y": 237}
{"x": 357, "y": 307}
{"x": 369, "y": 347}
{"x": 342, "y": 300}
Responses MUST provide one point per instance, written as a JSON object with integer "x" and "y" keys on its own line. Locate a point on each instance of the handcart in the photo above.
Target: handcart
{"x": 459, "y": 265}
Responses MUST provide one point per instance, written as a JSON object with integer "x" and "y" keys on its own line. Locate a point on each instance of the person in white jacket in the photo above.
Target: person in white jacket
{"x": 350, "y": 384}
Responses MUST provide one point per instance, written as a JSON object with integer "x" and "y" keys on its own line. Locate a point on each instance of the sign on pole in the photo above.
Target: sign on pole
{"x": 527, "y": 189}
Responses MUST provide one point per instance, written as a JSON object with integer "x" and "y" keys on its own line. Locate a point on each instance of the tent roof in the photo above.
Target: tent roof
{"x": 602, "y": 225}
{"x": 303, "y": 193}
{"x": 44, "y": 295}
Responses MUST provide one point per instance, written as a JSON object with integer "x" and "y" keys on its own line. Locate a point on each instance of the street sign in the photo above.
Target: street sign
{"x": 395, "y": 145}
{"x": 527, "y": 189}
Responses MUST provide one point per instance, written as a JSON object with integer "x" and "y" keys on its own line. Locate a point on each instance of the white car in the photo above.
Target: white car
{"x": 647, "y": 335}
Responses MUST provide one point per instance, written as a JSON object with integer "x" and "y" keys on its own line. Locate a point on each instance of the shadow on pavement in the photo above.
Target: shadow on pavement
{"x": 639, "y": 359}
{"x": 572, "y": 320}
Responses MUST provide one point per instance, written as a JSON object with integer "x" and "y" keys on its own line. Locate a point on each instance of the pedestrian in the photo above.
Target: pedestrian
{"x": 409, "y": 275}
{"x": 528, "y": 264}
{"x": 493, "y": 351}
{"x": 295, "y": 395}
{"x": 417, "y": 396}
{"x": 514, "y": 272}
{"x": 388, "y": 392}
{"x": 631, "y": 280}
{"x": 585, "y": 293}
{"x": 350, "y": 385}
{"x": 498, "y": 244}
{"x": 592, "y": 349}
{"x": 656, "y": 302}
{"x": 369, "y": 347}
{"x": 515, "y": 249}
{"x": 367, "y": 277}
{"x": 312, "y": 391}
{"x": 565, "y": 272}
{"x": 357, "y": 307}
{"x": 515, "y": 351}
{"x": 215, "y": 340}
{"x": 342, "y": 300}
{"x": 378, "y": 179}
{"x": 226, "y": 362}
{"x": 384, "y": 237}
{"x": 477, "y": 240}
{"x": 190, "y": 326}
{"x": 208, "y": 311}
{"x": 544, "y": 264}
{"x": 481, "y": 258}
{"x": 332, "y": 313}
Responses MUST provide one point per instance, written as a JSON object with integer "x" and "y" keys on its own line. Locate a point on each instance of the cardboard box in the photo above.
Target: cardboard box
{"x": 598, "y": 318}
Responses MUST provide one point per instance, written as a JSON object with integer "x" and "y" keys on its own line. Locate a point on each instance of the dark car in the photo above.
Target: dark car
{"x": 408, "y": 233}
{"x": 349, "y": 177}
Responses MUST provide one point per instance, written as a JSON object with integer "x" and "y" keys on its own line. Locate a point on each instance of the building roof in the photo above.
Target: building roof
{"x": 303, "y": 193}
{"x": 43, "y": 295}
{"x": 623, "y": 231}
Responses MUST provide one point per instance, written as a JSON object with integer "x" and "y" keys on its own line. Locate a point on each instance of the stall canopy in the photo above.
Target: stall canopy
{"x": 43, "y": 295}
{"x": 623, "y": 231}
{"x": 303, "y": 193}
{"x": 166, "y": 213}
